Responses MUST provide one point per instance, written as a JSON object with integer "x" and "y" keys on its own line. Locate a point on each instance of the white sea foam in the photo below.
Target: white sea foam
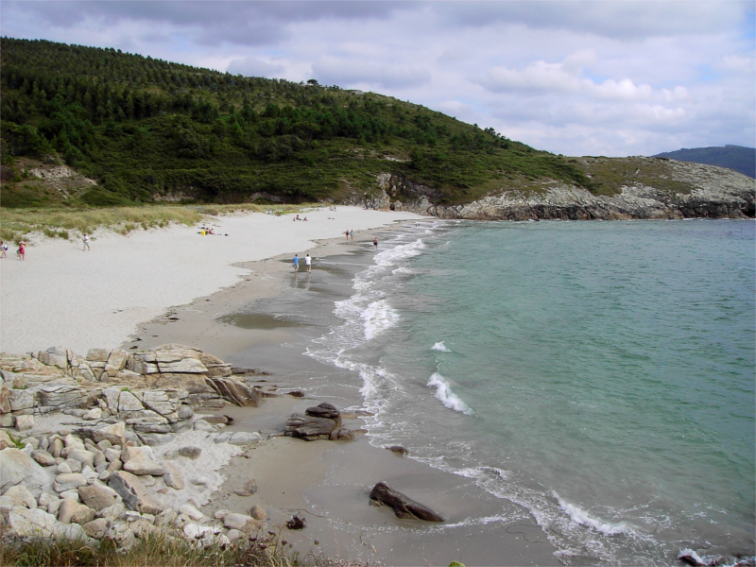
{"x": 580, "y": 516}
{"x": 393, "y": 256}
{"x": 402, "y": 271}
{"x": 440, "y": 346}
{"x": 445, "y": 394}
{"x": 378, "y": 317}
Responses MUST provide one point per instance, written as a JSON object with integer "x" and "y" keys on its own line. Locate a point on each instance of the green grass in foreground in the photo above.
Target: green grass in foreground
{"x": 20, "y": 224}
{"x": 160, "y": 549}
{"x": 157, "y": 550}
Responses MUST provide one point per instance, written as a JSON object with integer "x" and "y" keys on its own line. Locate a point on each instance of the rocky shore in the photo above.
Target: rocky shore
{"x": 675, "y": 190}
{"x": 114, "y": 444}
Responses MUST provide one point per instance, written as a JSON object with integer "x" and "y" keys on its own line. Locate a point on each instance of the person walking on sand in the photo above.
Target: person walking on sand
{"x": 85, "y": 240}
{"x": 375, "y": 243}
{"x": 296, "y": 262}
{"x": 3, "y": 249}
{"x": 308, "y": 263}
{"x": 347, "y": 234}
{"x": 21, "y": 252}
{"x": 351, "y": 234}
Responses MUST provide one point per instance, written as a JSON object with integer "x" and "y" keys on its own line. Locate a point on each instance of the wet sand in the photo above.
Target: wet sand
{"x": 264, "y": 322}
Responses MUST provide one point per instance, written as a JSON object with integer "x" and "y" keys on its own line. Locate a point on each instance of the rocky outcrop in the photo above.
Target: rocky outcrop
{"x": 99, "y": 477}
{"x": 676, "y": 190}
{"x": 153, "y": 392}
{"x": 404, "y": 507}
{"x": 319, "y": 422}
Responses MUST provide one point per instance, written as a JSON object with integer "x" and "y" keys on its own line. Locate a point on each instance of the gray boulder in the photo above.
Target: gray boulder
{"x": 98, "y": 497}
{"x": 17, "y": 467}
{"x": 38, "y": 523}
{"x": 19, "y": 495}
{"x": 140, "y": 461}
{"x": 73, "y": 512}
{"x": 135, "y": 494}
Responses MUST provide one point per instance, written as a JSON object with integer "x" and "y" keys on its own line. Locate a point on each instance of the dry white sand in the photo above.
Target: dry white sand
{"x": 63, "y": 296}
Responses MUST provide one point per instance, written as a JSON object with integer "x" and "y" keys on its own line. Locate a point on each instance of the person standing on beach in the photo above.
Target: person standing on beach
{"x": 351, "y": 234}
{"x": 85, "y": 240}
{"x": 21, "y": 253}
{"x": 3, "y": 249}
{"x": 375, "y": 243}
{"x": 296, "y": 262}
{"x": 308, "y": 263}
{"x": 347, "y": 234}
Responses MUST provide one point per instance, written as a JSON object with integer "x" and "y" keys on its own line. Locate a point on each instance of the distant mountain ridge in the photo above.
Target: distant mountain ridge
{"x": 739, "y": 158}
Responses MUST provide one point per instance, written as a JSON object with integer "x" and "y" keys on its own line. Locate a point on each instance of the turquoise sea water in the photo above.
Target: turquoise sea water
{"x": 600, "y": 374}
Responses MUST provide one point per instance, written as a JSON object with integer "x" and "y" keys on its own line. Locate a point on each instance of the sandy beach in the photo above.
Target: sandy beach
{"x": 63, "y": 296}
{"x": 237, "y": 297}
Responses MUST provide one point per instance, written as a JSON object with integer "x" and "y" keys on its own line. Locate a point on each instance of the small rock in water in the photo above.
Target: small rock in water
{"x": 398, "y": 450}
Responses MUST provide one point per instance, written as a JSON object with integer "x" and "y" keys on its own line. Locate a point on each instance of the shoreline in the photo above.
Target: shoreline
{"x": 324, "y": 481}
{"x": 327, "y": 482}
{"x": 63, "y": 296}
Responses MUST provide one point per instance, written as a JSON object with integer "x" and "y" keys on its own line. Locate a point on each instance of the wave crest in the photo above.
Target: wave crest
{"x": 445, "y": 394}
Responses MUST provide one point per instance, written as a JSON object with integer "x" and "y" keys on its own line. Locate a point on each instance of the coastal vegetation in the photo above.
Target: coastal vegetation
{"x": 70, "y": 222}
{"x": 142, "y": 130}
{"x": 159, "y": 548}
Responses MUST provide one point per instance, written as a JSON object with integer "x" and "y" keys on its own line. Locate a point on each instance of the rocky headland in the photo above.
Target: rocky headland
{"x": 626, "y": 188}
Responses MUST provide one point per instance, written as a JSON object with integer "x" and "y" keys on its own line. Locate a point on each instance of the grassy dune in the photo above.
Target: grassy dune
{"x": 22, "y": 224}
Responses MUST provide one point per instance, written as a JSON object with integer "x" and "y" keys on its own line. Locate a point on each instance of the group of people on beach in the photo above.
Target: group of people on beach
{"x": 307, "y": 261}
{"x": 20, "y": 253}
{"x": 349, "y": 234}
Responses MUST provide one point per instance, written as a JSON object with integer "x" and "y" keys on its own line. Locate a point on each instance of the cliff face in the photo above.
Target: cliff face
{"x": 680, "y": 190}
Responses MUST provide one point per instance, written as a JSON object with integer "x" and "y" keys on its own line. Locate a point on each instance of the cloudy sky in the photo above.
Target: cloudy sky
{"x": 609, "y": 78}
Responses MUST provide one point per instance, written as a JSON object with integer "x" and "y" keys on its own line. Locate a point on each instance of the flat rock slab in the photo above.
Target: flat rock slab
{"x": 16, "y": 467}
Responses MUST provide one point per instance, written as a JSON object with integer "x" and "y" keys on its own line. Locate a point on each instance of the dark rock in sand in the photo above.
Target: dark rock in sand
{"x": 318, "y": 422}
{"x": 404, "y": 507}
{"x": 325, "y": 410}
{"x": 296, "y": 394}
{"x": 250, "y": 488}
{"x": 309, "y": 428}
{"x": 296, "y": 523}
{"x": 398, "y": 450}
{"x": 690, "y": 557}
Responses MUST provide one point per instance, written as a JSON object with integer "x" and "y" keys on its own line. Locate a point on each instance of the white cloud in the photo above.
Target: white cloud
{"x": 349, "y": 72}
{"x": 565, "y": 77}
{"x": 255, "y": 67}
{"x": 736, "y": 63}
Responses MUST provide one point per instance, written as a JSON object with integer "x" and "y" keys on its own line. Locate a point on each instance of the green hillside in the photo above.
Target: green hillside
{"x": 143, "y": 128}
{"x": 739, "y": 158}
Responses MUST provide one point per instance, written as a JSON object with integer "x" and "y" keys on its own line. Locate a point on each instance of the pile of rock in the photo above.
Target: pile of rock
{"x": 96, "y": 485}
{"x": 155, "y": 393}
{"x": 319, "y": 422}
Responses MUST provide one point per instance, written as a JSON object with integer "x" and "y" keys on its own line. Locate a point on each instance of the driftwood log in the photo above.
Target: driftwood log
{"x": 404, "y": 507}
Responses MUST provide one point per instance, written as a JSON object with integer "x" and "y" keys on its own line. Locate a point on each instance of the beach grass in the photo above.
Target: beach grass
{"x": 158, "y": 549}
{"x": 20, "y": 224}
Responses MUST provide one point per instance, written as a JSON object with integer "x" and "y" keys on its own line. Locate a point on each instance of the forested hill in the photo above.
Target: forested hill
{"x": 145, "y": 129}
{"x": 739, "y": 158}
